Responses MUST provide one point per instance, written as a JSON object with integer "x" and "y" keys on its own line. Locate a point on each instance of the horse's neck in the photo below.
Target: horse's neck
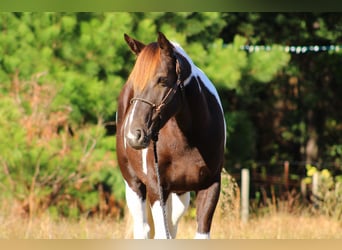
{"x": 194, "y": 114}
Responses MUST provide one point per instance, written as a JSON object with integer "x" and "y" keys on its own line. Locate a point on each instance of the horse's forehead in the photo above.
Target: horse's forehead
{"x": 146, "y": 66}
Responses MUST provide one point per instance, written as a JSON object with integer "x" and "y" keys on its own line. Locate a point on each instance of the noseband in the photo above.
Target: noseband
{"x": 158, "y": 107}
{"x": 172, "y": 91}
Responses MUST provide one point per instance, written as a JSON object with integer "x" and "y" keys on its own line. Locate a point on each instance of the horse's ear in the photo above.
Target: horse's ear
{"x": 165, "y": 44}
{"x": 135, "y": 45}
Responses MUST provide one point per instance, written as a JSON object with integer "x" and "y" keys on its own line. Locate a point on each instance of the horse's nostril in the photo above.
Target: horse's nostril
{"x": 138, "y": 134}
{"x": 138, "y": 139}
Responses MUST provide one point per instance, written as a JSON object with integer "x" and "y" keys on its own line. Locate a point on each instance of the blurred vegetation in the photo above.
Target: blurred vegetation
{"x": 61, "y": 73}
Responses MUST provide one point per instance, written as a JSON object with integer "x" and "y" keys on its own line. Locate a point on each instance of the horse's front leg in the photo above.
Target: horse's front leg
{"x": 161, "y": 226}
{"x": 136, "y": 202}
{"x": 177, "y": 205}
{"x": 206, "y": 202}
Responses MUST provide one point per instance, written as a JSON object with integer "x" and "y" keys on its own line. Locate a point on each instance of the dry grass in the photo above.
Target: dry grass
{"x": 276, "y": 226}
{"x": 279, "y": 226}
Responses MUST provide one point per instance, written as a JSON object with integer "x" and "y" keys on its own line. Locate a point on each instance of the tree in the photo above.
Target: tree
{"x": 296, "y": 103}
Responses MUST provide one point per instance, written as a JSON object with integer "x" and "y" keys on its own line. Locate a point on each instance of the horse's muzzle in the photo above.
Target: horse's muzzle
{"x": 138, "y": 139}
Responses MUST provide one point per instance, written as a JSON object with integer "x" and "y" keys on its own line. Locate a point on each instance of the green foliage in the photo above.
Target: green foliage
{"x": 240, "y": 138}
{"x": 43, "y": 165}
{"x": 81, "y": 57}
{"x": 264, "y": 65}
{"x": 230, "y": 60}
{"x": 12, "y": 134}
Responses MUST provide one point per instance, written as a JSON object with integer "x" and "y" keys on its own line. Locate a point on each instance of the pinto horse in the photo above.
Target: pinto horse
{"x": 171, "y": 102}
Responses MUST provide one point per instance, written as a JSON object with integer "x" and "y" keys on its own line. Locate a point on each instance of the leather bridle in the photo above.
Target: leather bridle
{"x": 157, "y": 108}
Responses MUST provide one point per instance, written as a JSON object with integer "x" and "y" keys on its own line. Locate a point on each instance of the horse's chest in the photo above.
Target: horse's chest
{"x": 178, "y": 149}
{"x": 185, "y": 156}
{"x": 183, "y": 166}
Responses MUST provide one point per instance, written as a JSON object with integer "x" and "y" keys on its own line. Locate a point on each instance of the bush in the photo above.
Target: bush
{"x": 50, "y": 164}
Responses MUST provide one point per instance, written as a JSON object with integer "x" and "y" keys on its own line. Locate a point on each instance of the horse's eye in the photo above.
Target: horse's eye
{"x": 162, "y": 81}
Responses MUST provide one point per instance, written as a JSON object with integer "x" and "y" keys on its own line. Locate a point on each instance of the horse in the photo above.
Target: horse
{"x": 170, "y": 140}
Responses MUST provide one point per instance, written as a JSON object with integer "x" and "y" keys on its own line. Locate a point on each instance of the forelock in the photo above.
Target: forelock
{"x": 145, "y": 66}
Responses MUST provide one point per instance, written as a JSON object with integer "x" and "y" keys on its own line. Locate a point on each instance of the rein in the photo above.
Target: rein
{"x": 155, "y": 134}
{"x": 160, "y": 188}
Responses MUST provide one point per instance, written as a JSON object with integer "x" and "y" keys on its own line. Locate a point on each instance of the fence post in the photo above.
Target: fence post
{"x": 244, "y": 194}
{"x": 315, "y": 183}
{"x": 303, "y": 189}
{"x": 286, "y": 174}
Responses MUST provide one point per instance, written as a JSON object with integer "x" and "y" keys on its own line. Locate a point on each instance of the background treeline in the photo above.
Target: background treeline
{"x": 60, "y": 75}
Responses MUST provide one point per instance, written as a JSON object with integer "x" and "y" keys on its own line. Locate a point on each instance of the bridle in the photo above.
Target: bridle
{"x": 157, "y": 108}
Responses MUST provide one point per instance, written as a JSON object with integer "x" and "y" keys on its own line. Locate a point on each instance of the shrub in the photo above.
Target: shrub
{"x": 50, "y": 163}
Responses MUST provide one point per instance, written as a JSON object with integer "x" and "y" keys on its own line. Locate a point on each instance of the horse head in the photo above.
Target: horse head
{"x": 156, "y": 83}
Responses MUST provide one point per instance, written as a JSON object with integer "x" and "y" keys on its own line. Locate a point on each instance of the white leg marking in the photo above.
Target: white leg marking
{"x": 144, "y": 159}
{"x": 137, "y": 207}
{"x": 158, "y": 218}
{"x": 202, "y": 236}
{"x": 180, "y": 204}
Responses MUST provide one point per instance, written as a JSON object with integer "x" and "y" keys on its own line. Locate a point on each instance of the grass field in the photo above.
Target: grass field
{"x": 277, "y": 225}
{"x": 287, "y": 220}
{"x": 279, "y": 219}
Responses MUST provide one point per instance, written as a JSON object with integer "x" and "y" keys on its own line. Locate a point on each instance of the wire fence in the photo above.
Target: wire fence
{"x": 293, "y": 49}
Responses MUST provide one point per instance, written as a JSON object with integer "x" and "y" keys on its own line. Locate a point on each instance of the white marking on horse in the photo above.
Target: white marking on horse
{"x": 202, "y": 236}
{"x": 199, "y": 86}
{"x": 158, "y": 218}
{"x": 138, "y": 208}
{"x": 144, "y": 159}
{"x": 128, "y": 121}
{"x": 180, "y": 204}
{"x": 176, "y": 205}
{"x": 197, "y": 72}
